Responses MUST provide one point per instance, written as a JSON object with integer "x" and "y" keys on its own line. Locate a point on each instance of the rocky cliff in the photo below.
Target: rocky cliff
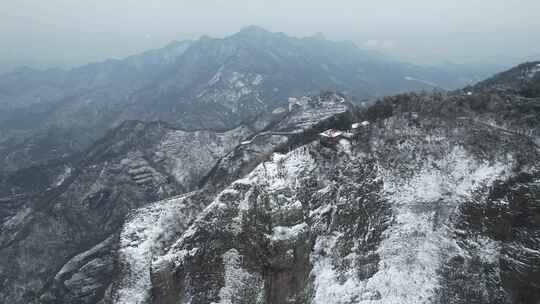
{"x": 426, "y": 207}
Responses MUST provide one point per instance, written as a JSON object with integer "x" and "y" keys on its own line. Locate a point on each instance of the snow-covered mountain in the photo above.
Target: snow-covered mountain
{"x": 417, "y": 198}
{"x": 431, "y": 201}
{"x": 205, "y": 84}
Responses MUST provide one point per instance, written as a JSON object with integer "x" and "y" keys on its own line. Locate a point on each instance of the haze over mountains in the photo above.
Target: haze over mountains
{"x": 67, "y": 33}
{"x": 203, "y": 84}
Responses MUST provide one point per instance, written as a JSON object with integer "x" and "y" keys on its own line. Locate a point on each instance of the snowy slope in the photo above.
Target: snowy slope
{"x": 379, "y": 218}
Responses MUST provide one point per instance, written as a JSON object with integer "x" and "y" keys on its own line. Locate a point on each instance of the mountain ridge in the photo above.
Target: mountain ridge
{"x": 210, "y": 83}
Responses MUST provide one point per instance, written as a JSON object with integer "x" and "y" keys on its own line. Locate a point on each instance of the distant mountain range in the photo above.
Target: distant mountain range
{"x": 205, "y": 84}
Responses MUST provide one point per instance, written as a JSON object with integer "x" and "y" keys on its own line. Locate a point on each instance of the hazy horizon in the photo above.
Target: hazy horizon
{"x": 60, "y": 33}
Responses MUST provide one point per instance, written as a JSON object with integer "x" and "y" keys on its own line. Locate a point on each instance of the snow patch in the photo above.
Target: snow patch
{"x": 62, "y": 177}
{"x": 77, "y": 261}
{"x": 281, "y": 171}
{"x": 328, "y": 283}
{"x": 413, "y": 247}
{"x": 17, "y": 219}
{"x": 281, "y": 233}
{"x": 257, "y": 80}
{"x": 429, "y": 83}
{"x": 216, "y": 77}
{"x": 345, "y": 146}
{"x": 533, "y": 71}
{"x": 237, "y": 279}
{"x": 279, "y": 110}
{"x": 141, "y": 238}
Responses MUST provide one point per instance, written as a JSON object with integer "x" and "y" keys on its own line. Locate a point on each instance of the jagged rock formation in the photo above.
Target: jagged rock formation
{"x": 433, "y": 199}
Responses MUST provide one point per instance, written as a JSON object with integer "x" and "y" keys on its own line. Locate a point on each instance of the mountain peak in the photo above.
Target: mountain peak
{"x": 253, "y": 31}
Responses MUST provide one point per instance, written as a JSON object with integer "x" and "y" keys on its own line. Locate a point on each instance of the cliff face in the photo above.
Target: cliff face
{"x": 419, "y": 212}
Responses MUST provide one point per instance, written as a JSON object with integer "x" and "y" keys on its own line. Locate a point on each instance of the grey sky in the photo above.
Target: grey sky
{"x": 71, "y": 32}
